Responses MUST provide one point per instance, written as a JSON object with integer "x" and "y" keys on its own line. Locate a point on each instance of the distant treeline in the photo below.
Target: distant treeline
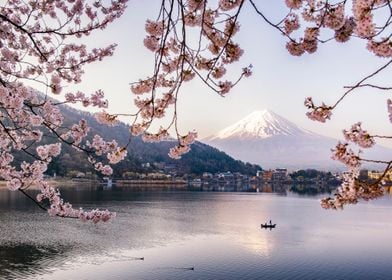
{"x": 313, "y": 175}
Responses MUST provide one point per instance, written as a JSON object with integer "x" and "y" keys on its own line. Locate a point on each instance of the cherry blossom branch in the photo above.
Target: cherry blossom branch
{"x": 370, "y": 85}
{"x": 177, "y": 61}
{"x": 32, "y": 199}
{"x": 260, "y": 13}
{"x": 35, "y": 48}
{"x": 358, "y": 84}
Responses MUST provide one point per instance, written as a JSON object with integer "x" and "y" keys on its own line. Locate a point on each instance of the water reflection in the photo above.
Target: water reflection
{"x": 217, "y": 233}
{"x": 25, "y": 260}
{"x": 277, "y": 188}
{"x": 312, "y": 189}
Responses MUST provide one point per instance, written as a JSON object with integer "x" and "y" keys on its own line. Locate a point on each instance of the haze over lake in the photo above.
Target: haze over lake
{"x": 196, "y": 235}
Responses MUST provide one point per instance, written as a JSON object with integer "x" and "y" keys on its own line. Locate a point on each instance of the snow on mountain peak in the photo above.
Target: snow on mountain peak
{"x": 259, "y": 124}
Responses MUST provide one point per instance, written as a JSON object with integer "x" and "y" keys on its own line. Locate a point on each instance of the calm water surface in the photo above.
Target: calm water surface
{"x": 196, "y": 235}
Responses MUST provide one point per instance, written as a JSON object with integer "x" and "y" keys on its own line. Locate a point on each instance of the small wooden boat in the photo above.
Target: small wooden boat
{"x": 268, "y": 225}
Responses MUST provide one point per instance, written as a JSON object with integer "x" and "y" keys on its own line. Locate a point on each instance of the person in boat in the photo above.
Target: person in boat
{"x": 270, "y": 223}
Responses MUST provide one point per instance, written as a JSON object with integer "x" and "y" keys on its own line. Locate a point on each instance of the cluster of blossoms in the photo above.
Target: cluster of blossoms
{"x": 105, "y": 169}
{"x": 344, "y": 33}
{"x": 76, "y": 133}
{"x": 29, "y": 174}
{"x": 362, "y": 10}
{"x": 137, "y": 129}
{"x": 105, "y": 118}
{"x": 39, "y": 45}
{"x": 345, "y": 155}
{"x": 118, "y": 155}
{"x": 101, "y": 147}
{"x": 96, "y": 99}
{"x": 183, "y": 146}
{"x": 291, "y": 23}
{"x": 347, "y": 193}
{"x": 317, "y": 14}
{"x": 64, "y": 209}
{"x": 179, "y": 60}
{"x": 382, "y": 48}
{"x": 369, "y": 20}
{"x": 294, "y": 4}
{"x": 351, "y": 190}
{"x": 227, "y": 5}
{"x": 359, "y": 136}
{"x": 317, "y": 113}
{"x": 161, "y": 135}
{"x": 225, "y": 87}
{"x": 46, "y": 152}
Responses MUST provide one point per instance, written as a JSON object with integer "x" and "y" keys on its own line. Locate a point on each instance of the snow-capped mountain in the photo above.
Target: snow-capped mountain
{"x": 259, "y": 124}
{"x": 265, "y": 138}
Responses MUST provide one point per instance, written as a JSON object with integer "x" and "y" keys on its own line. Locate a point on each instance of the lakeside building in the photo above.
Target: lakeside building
{"x": 264, "y": 175}
{"x": 375, "y": 175}
{"x": 278, "y": 174}
{"x": 226, "y": 176}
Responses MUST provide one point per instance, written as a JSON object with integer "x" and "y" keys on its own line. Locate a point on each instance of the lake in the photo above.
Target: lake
{"x": 171, "y": 234}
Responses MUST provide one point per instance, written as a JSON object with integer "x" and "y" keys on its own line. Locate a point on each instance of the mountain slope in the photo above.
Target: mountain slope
{"x": 265, "y": 138}
{"x": 201, "y": 158}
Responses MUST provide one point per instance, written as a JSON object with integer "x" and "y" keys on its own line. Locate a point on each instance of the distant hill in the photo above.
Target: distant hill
{"x": 201, "y": 158}
{"x": 268, "y": 139}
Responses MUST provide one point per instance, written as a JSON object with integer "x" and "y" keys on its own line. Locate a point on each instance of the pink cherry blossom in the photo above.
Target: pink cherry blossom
{"x": 227, "y": 5}
{"x": 381, "y": 49}
{"x": 152, "y": 43}
{"x": 118, "y": 155}
{"x": 295, "y": 48}
{"x": 294, "y": 4}
{"x": 359, "y": 136}
{"x": 291, "y": 23}
{"x": 344, "y": 33}
{"x": 345, "y": 155}
{"x": 351, "y": 191}
{"x": 154, "y": 28}
{"x": 225, "y": 87}
{"x": 105, "y": 118}
{"x": 42, "y": 46}
{"x": 317, "y": 113}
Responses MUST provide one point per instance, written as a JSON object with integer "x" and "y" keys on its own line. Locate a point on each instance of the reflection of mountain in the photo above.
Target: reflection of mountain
{"x": 270, "y": 140}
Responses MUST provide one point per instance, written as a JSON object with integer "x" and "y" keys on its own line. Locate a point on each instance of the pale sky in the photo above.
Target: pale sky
{"x": 280, "y": 82}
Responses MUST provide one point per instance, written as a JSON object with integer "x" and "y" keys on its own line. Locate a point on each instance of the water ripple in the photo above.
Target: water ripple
{"x": 164, "y": 235}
